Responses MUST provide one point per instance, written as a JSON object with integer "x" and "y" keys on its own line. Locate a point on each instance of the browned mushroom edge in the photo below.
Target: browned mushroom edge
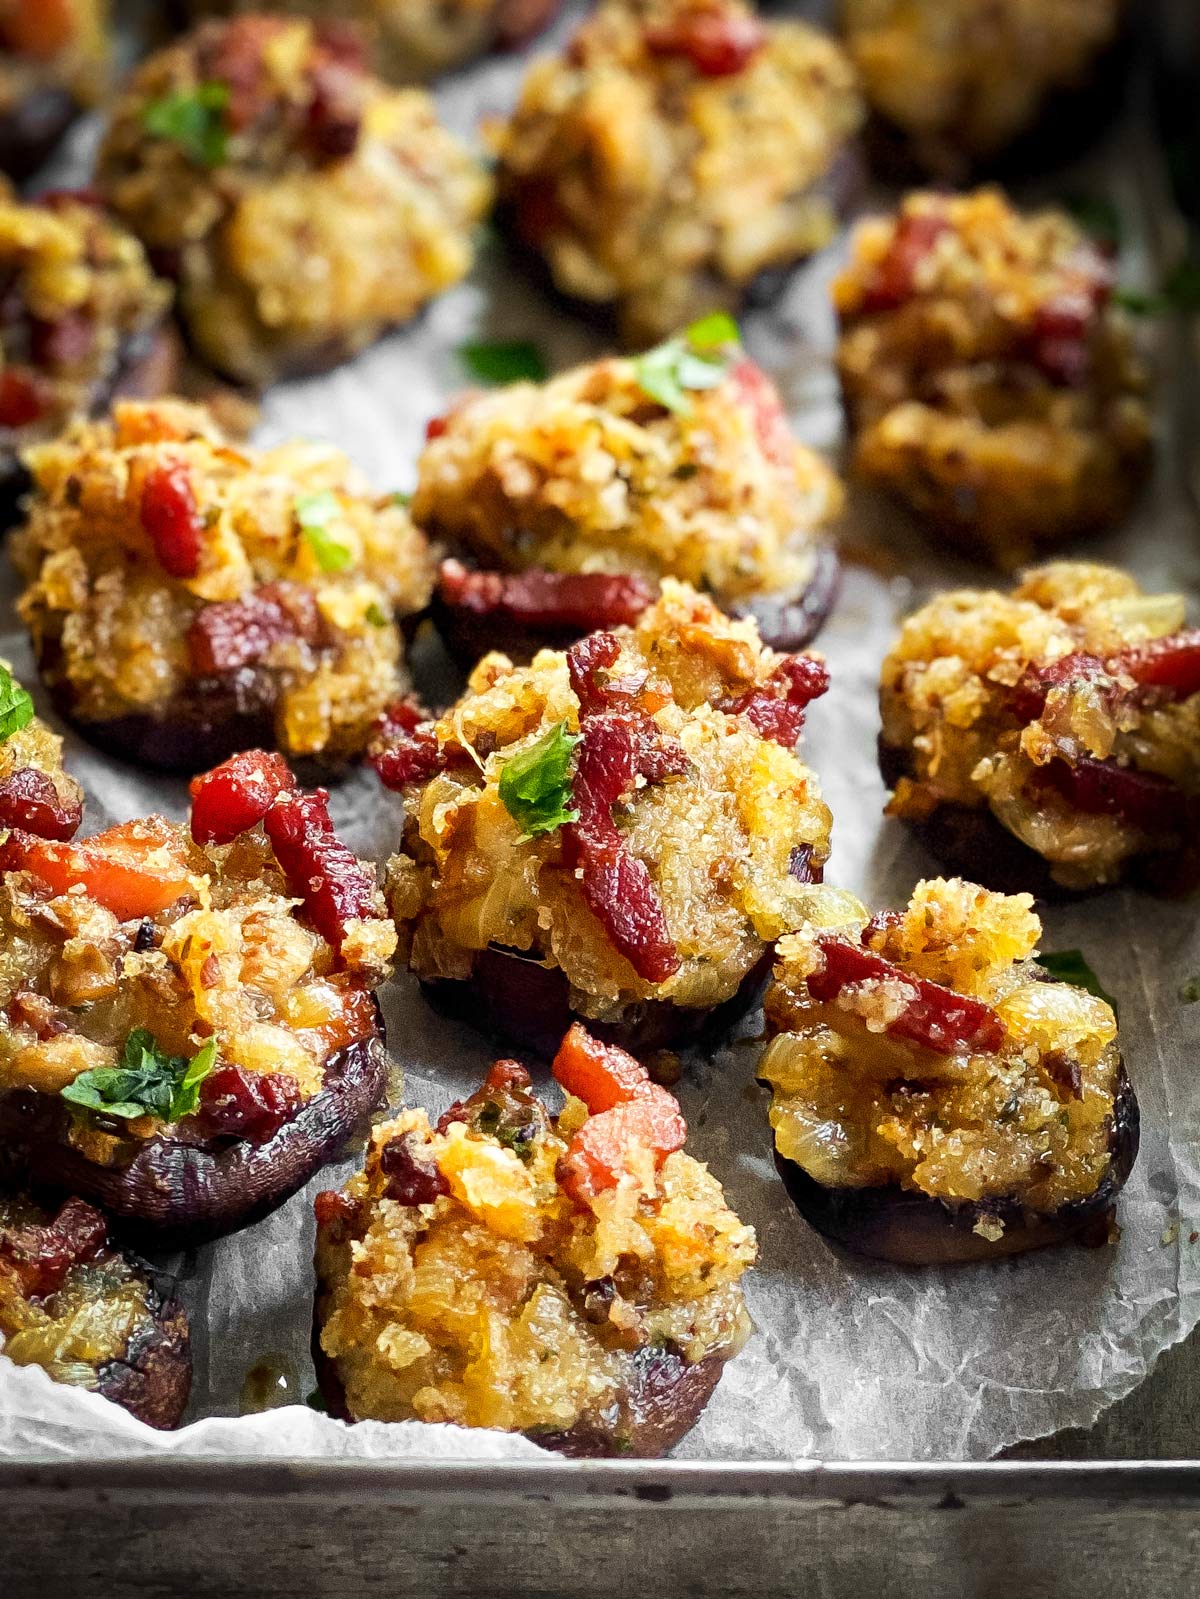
{"x": 913, "y": 1229}
{"x": 176, "y": 1193}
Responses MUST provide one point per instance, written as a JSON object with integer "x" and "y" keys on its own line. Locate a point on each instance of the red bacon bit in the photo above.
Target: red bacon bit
{"x": 1171, "y": 664}
{"x": 627, "y": 1112}
{"x": 235, "y": 1103}
{"x": 547, "y": 601}
{"x": 716, "y": 44}
{"x": 235, "y": 796}
{"x": 41, "y": 1254}
{"x": 22, "y": 397}
{"x": 171, "y": 519}
{"x": 405, "y": 748}
{"x": 894, "y": 280}
{"x": 230, "y": 634}
{"x": 934, "y": 1018}
{"x": 320, "y": 870}
{"x": 1059, "y": 340}
{"x": 588, "y": 666}
{"x": 761, "y": 397}
{"x": 333, "y": 120}
{"x": 776, "y": 708}
{"x": 30, "y": 801}
{"x": 411, "y": 1180}
{"x": 1148, "y": 802}
{"x": 1028, "y": 696}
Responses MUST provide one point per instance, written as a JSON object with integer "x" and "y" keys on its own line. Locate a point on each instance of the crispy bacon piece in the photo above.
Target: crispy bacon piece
{"x": 22, "y": 397}
{"x": 404, "y": 750}
{"x": 761, "y": 397}
{"x": 615, "y": 749}
{"x": 1151, "y": 803}
{"x": 716, "y": 44}
{"x": 134, "y": 870}
{"x": 41, "y": 1254}
{"x": 235, "y": 1103}
{"x": 894, "y": 280}
{"x": 321, "y": 871}
{"x": 30, "y": 801}
{"x": 776, "y": 708}
{"x": 230, "y": 634}
{"x": 235, "y": 796}
{"x": 627, "y": 1113}
{"x": 544, "y": 600}
{"x": 171, "y": 519}
{"x": 934, "y": 1017}
{"x": 410, "y": 1179}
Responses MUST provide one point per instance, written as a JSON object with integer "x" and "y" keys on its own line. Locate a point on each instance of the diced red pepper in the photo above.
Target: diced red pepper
{"x": 599, "y": 1154}
{"x": 549, "y": 601}
{"x": 762, "y": 398}
{"x": 236, "y": 1103}
{"x": 235, "y": 796}
{"x": 134, "y": 870}
{"x": 171, "y": 519}
{"x": 934, "y": 1017}
{"x": 1147, "y": 801}
{"x": 602, "y": 1075}
{"x": 894, "y": 280}
{"x": 41, "y": 1254}
{"x": 321, "y": 871}
{"x": 776, "y": 708}
{"x": 716, "y": 43}
{"x": 22, "y": 397}
{"x": 29, "y": 801}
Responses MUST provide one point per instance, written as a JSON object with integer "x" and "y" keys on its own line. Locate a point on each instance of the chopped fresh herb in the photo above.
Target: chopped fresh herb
{"x": 314, "y": 512}
{"x": 399, "y": 497}
{"x": 1098, "y": 216}
{"x": 535, "y": 786}
{"x": 194, "y": 119}
{"x": 498, "y": 363}
{"x": 1069, "y": 966}
{"x": 696, "y": 359}
{"x": 146, "y": 1083}
{"x": 16, "y": 708}
{"x": 1189, "y": 992}
{"x": 376, "y": 615}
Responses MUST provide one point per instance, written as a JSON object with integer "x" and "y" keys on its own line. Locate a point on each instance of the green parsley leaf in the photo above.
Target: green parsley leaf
{"x": 1069, "y": 966}
{"x": 314, "y": 512}
{"x": 194, "y": 119}
{"x": 376, "y": 615}
{"x": 696, "y": 359}
{"x": 502, "y": 362}
{"x": 146, "y": 1083}
{"x": 535, "y": 787}
{"x": 1098, "y": 216}
{"x": 16, "y": 708}
{"x": 400, "y": 498}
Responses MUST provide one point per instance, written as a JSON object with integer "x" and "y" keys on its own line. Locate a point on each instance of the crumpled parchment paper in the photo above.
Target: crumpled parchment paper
{"x": 850, "y": 1359}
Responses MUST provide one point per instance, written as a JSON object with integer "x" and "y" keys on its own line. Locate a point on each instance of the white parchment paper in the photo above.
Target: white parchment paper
{"x": 850, "y": 1359}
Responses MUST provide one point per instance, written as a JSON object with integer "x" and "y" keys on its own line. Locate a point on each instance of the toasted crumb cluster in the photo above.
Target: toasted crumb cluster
{"x": 1069, "y": 709}
{"x": 988, "y": 381}
{"x": 410, "y": 40}
{"x": 589, "y": 473}
{"x": 225, "y": 955}
{"x": 80, "y": 313}
{"x": 675, "y": 151}
{"x": 857, "y": 1103}
{"x": 298, "y": 574}
{"x": 961, "y": 79}
{"x": 505, "y": 1302}
{"x": 303, "y": 205}
{"x": 726, "y": 840}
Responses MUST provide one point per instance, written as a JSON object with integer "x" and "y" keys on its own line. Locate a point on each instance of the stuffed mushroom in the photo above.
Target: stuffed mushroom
{"x": 187, "y": 1024}
{"x": 618, "y": 832}
{"x": 53, "y": 63}
{"x": 91, "y": 1316}
{"x": 408, "y": 42}
{"x": 571, "y": 1277}
{"x": 956, "y": 84}
{"x": 83, "y": 319}
{"x": 677, "y": 152}
{"x": 988, "y": 381}
{"x": 1050, "y": 735}
{"x": 936, "y": 1095}
{"x": 577, "y": 496}
{"x": 302, "y": 205}
{"x": 186, "y": 599}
